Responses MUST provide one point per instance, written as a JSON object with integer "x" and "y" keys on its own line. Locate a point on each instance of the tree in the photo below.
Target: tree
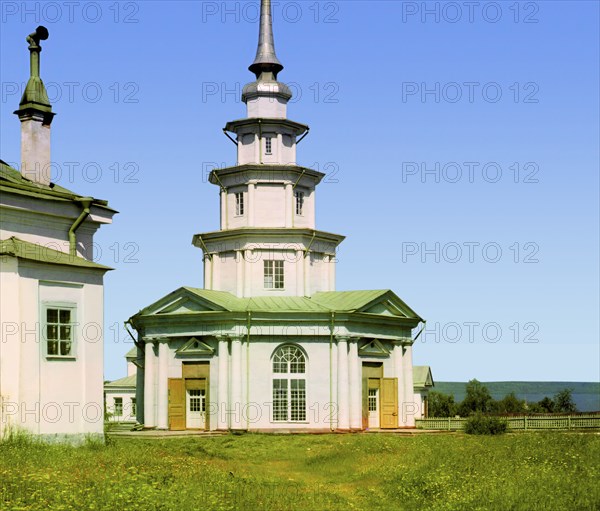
{"x": 478, "y": 399}
{"x": 563, "y": 402}
{"x": 509, "y": 404}
{"x": 546, "y": 405}
{"x": 441, "y": 405}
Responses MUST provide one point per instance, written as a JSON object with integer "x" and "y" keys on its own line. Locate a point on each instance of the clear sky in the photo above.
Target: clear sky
{"x": 461, "y": 143}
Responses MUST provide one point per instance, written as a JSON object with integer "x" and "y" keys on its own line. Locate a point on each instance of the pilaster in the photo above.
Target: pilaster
{"x": 343, "y": 384}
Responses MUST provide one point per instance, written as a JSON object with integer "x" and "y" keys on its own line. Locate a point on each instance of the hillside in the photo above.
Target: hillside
{"x": 585, "y": 394}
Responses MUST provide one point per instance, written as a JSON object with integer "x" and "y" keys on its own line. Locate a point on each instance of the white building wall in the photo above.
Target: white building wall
{"x": 128, "y": 414}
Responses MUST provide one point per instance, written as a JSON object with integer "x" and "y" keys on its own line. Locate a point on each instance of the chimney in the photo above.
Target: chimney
{"x": 35, "y": 114}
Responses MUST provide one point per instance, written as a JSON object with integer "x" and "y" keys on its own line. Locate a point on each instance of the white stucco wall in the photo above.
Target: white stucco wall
{"x": 128, "y": 414}
{"x": 45, "y": 395}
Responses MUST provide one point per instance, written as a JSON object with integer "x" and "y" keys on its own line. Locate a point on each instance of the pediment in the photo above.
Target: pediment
{"x": 196, "y": 347}
{"x": 185, "y": 305}
{"x": 373, "y": 348}
{"x": 389, "y": 305}
{"x": 182, "y": 301}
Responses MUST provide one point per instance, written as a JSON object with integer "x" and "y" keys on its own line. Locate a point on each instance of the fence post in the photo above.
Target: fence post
{"x": 569, "y": 422}
{"x": 526, "y": 423}
{"x": 448, "y": 423}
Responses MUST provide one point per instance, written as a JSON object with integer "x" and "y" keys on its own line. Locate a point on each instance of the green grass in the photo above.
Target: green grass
{"x": 310, "y": 472}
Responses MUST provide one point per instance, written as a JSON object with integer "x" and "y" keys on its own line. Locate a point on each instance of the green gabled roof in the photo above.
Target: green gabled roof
{"x": 12, "y": 181}
{"x": 422, "y": 376}
{"x": 132, "y": 353}
{"x": 128, "y": 381}
{"x": 193, "y": 300}
{"x": 34, "y": 252}
{"x": 223, "y": 299}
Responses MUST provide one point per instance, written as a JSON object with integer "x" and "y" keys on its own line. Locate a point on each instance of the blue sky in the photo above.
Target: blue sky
{"x": 461, "y": 143}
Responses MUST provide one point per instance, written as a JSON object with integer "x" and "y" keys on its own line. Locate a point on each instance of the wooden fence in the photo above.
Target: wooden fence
{"x": 523, "y": 423}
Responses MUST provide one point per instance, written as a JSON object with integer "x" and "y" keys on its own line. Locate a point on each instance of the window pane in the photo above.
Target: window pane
{"x": 65, "y": 333}
{"x": 65, "y": 348}
{"x": 52, "y": 347}
{"x": 52, "y": 315}
{"x": 51, "y": 332}
{"x": 65, "y": 316}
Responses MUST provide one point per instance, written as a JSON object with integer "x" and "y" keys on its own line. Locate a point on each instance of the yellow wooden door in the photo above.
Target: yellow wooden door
{"x": 176, "y": 404}
{"x": 388, "y": 400}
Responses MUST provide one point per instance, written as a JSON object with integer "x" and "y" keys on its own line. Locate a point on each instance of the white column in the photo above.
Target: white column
{"x": 342, "y": 387}
{"x": 409, "y": 408}
{"x": 139, "y": 387}
{"x": 223, "y": 390}
{"x": 398, "y": 361}
{"x": 332, "y": 263}
{"x": 289, "y": 205}
{"x": 163, "y": 386}
{"x": 251, "y": 195}
{"x": 355, "y": 386}
{"x": 207, "y": 272}
{"x": 149, "y": 418}
{"x": 236, "y": 402}
{"x": 248, "y": 268}
{"x": 216, "y": 268}
{"x": 300, "y": 273}
{"x": 257, "y": 148}
{"x": 224, "y": 219}
{"x": 239, "y": 272}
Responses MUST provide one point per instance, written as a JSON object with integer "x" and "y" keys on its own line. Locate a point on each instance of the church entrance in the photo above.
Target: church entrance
{"x": 188, "y": 397}
{"x": 380, "y": 398}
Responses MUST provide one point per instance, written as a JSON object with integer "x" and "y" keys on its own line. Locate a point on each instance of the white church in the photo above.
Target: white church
{"x": 269, "y": 344}
{"x": 51, "y": 290}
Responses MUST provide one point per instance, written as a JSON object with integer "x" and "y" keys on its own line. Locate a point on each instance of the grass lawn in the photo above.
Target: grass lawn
{"x": 526, "y": 471}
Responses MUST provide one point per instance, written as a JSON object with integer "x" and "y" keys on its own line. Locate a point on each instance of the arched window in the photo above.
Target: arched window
{"x": 289, "y": 384}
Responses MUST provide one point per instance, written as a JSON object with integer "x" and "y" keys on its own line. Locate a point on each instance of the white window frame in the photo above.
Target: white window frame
{"x": 60, "y": 306}
{"x": 274, "y": 274}
{"x": 289, "y": 377}
{"x": 240, "y": 207}
{"x": 299, "y": 196}
{"x": 133, "y": 403}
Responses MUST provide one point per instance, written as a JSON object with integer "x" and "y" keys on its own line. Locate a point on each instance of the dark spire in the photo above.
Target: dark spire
{"x": 266, "y": 60}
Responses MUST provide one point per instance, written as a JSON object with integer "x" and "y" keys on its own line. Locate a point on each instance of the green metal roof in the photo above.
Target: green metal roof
{"x": 132, "y": 353}
{"x": 128, "y": 381}
{"x": 335, "y": 301}
{"x": 41, "y": 254}
{"x": 12, "y": 181}
{"x": 347, "y": 300}
{"x": 422, "y": 376}
{"x": 320, "y": 302}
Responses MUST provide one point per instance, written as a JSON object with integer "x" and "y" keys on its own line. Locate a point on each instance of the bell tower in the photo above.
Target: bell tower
{"x": 267, "y": 244}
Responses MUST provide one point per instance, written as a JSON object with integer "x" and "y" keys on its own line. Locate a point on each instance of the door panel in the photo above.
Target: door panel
{"x": 195, "y": 408}
{"x": 176, "y": 404}
{"x": 371, "y": 373}
{"x": 389, "y": 403}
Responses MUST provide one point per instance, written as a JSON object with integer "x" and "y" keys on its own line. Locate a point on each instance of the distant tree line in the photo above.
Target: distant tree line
{"x": 478, "y": 400}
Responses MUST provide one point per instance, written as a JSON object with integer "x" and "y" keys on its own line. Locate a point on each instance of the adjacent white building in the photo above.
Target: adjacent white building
{"x": 268, "y": 343}
{"x": 51, "y": 290}
{"x": 119, "y": 395}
